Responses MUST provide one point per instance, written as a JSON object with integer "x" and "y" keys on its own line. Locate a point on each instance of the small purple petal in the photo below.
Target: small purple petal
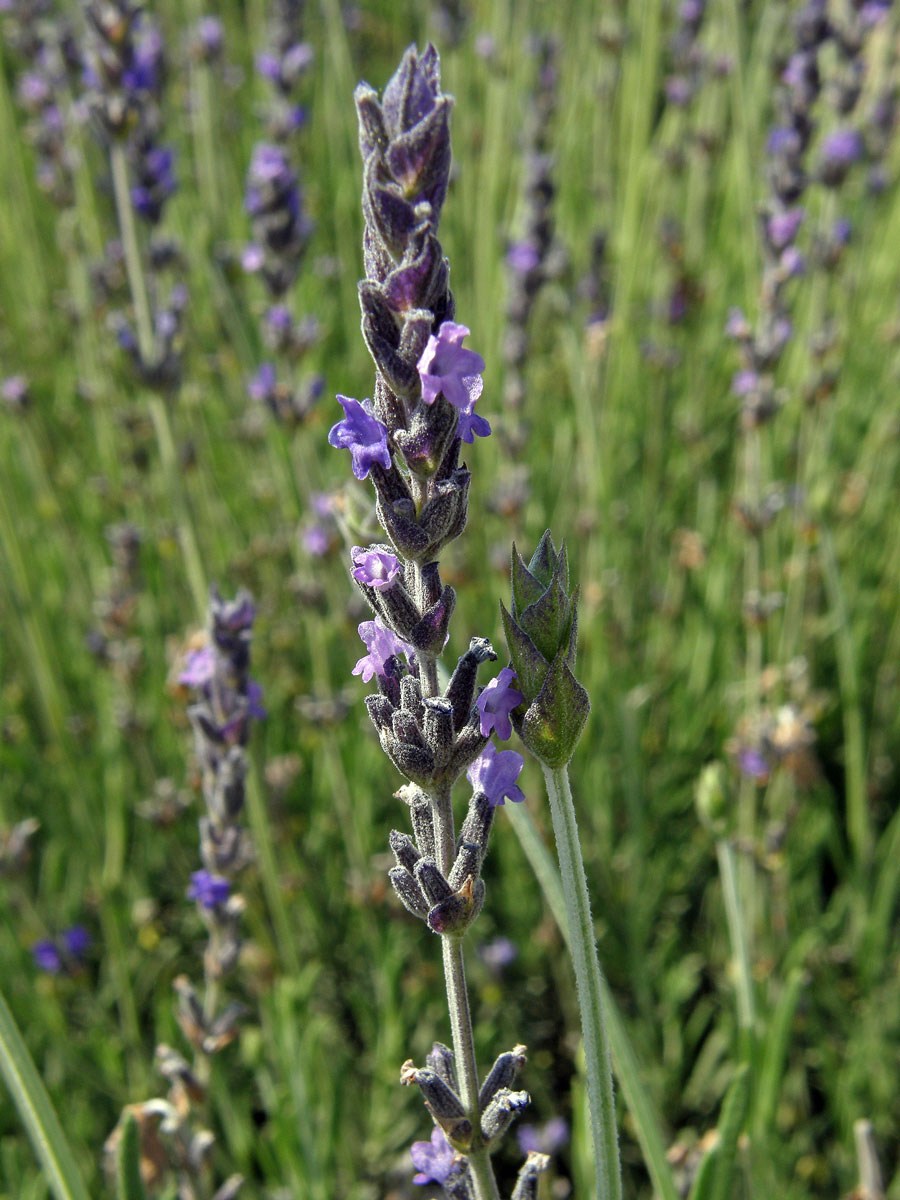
{"x": 494, "y": 774}
{"x": 208, "y": 890}
{"x": 199, "y": 668}
{"x": 363, "y": 435}
{"x": 495, "y": 704}
{"x": 433, "y": 1159}
{"x": 376, "y": 568}
{"x": 381, "y": 644}
{"x": 47, "y": 957}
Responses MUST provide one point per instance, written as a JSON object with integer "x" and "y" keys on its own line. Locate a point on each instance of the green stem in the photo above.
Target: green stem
{"x": 629, "y": 1071}
{"x": 736, "y": 934}
{"x": 478, "y": 1155}
{"x": 588, "y": 981}
{"x": 159, "y": 411}
{"x": 137, "y": 284}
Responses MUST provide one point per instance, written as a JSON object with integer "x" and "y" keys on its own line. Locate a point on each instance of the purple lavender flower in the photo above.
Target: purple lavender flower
{"x": 208, "y": 38}
{"x": 76, "y": 941}
{"x": 545, "y": 1139}
{"x": 262, "y": 386}
{"x": 494, "y": 773}
{"x": 752, "y": 763}
{"x": 47, "y": 956}
{"x": 841, "y": 231}
{"x": 281, "y": 229}
{"x": 446, "y": 368}
{"x": 840, "y": 151}
{"x": 316, "y": 540}
{"x": 199, "y": 668}
{"x": 498, "y": 953}
{"x": 782, "y": 227}
{"x": 14, "y": 391}
{"x": 737, "y": 326}
{"x": 522, "y": 257}
{"x": 252, "y": 258}
{"x": 362, "y": 434}
{"x": 381, "y": 644}
{"x": 679, "y": 90}
{"x": 154, "y": 167}
{"x": 433, "y": 1160}
{"x": 744, "y": 383}
{"x": 208, "y": 890}
{"x": 495, "y": 704}
{"x": 783, "y": 140}
{"x": 792, "y": 263}
{"x": 376, "y": 568}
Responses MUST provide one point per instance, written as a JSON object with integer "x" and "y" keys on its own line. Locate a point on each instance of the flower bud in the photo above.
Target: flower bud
{"x": 501, "y": 1112}
{"x": 713, "y": 800}
{"x": 541, "y": 633}
{"x": 529, "y": 1175}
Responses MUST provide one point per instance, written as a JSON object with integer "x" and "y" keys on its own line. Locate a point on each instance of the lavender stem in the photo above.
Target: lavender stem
{"x": 136, "y": 281}
{"x": 598, "y": 1064}
{"x": 147, "y": 346}
{"x": 477, "y": 1156}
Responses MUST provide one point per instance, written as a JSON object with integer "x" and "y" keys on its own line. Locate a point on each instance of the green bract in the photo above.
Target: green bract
{"x": 541, "y": 632}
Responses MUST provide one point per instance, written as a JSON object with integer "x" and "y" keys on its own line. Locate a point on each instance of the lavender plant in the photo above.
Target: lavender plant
{"x": 408, "y": 441}
{"x": 280, "y": 226}
{"x": 227, "y": 700}
{"x": 124, "y": 73}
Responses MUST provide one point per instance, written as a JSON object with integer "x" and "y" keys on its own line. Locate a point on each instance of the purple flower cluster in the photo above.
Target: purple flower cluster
{"x": 124, "y": 67}
{"x": 50, "y": 54}
{"x": 280, "y": 227}
{"x": 227, "y": 701}
{"x": 291, "y": 405}
{"x": 532, "y": 258}
{"x": 65, "y": 953}
{"x": 284, "y": 64}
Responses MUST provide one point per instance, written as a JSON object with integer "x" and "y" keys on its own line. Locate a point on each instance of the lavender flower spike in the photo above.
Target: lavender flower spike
{"x": 495, "y": 704}
{"x": 363, "y": 435}
{"x": 376, "y": 568}
{"x": 494, "y": 774}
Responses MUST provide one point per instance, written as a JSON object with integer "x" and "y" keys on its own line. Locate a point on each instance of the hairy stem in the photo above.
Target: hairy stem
{"x": 588, "y": 982}
{"x": 460, "y": 1017}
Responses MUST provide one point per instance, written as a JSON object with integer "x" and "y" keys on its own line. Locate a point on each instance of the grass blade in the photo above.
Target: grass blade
{"x": 37, "y": 1113}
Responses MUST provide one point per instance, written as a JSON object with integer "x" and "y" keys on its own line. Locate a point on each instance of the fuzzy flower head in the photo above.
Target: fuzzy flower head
{"x": 495, "y": 704}
{"x": 433, "y": 1160}
{"x": 363, "y": 435}
{"x": 377, "y": 568}
{"x": 494, "y": 774}
{"x": 381, "y": 644}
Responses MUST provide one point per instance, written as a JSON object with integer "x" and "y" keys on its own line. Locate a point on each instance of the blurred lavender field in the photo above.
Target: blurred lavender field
{"x": 673, "y": 230}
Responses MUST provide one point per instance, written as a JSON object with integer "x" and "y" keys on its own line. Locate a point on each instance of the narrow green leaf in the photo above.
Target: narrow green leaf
{"x": 715, "y": 1181}
{"x": 628, "y": 1070}
{"x": 128, "y": 1165}
{"x": 36, "y": 1112}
